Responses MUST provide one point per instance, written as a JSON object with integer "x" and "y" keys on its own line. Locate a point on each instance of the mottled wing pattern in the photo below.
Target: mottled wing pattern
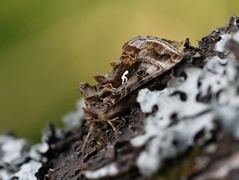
{"x": 143, "y": 59}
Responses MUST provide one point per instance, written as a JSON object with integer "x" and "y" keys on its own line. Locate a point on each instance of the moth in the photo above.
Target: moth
{"x": 142, "y": 59}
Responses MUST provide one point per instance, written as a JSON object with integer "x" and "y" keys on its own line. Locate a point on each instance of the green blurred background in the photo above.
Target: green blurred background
{"x": 47, "y": 47}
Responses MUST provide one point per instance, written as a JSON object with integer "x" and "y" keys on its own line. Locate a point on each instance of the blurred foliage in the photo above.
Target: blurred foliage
{"x": 48, "y": 47}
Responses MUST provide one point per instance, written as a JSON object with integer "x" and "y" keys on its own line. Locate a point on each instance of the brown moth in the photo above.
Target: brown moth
{"x": 143, "y": 59}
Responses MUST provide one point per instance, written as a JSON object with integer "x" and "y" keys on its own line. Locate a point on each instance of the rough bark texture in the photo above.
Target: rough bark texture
{"x": 183, "y": 125}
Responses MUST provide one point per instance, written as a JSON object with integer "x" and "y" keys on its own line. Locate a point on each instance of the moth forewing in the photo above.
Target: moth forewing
{"x": 142, "y": 59}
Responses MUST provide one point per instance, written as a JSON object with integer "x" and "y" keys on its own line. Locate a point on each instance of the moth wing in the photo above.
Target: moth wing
{"x": 176, "y": 44}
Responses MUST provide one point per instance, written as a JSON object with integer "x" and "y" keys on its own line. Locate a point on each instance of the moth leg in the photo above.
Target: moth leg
{"x": 87, "y": 137}
{"x": 113, "y": 127}
{"x": 109, "y": 121}
{"x": 91, "y": 129}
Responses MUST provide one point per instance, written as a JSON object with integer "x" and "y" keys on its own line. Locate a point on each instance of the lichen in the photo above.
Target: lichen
{"x": 182, "y": 111}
